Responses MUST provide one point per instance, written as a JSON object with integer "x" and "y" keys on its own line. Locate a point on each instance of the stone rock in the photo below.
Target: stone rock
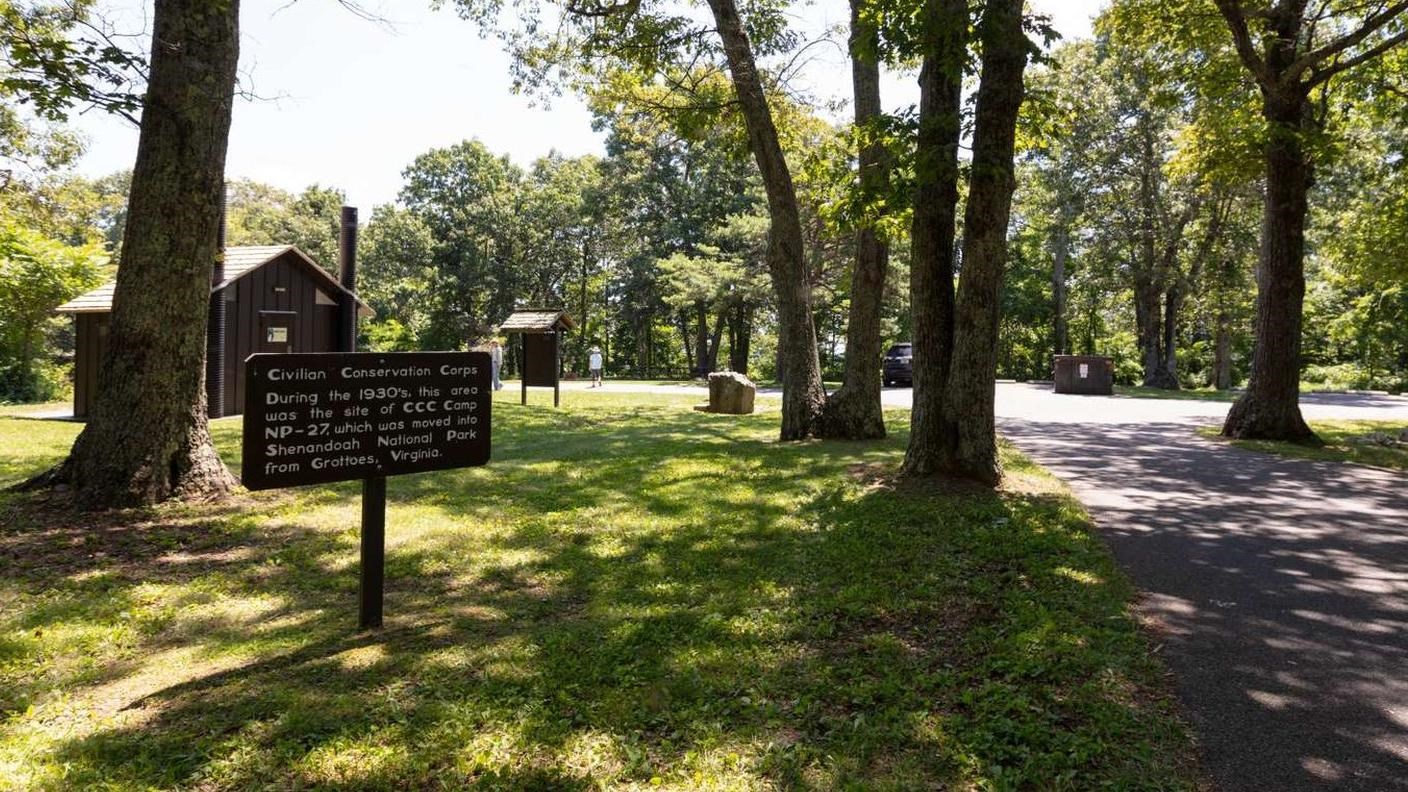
{"x": 1403, "y": 436}
{"x": 1378, "y": 439}
{"x": 730, "y": 393}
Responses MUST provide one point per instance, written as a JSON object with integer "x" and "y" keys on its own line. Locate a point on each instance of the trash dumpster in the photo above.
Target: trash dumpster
{"x": 1085, "y": 374}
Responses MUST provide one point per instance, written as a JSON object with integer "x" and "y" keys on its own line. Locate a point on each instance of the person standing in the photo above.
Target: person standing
{"x": 595, "y": 366}
{"x": 496, "y": 362}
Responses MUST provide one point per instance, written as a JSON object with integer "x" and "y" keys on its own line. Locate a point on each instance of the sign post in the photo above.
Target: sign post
{"x": 316, "y": 418}
{"x": 372, "y": 582}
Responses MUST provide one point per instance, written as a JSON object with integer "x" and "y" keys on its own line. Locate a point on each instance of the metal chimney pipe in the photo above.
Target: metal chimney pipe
{"x": 215, "y": 327}
{"x": 347, "y": 275}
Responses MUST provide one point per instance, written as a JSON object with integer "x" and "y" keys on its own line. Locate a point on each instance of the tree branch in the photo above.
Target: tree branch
{"x": 1236, "y": 17}
{"x": 1371, "y": 24}
{"x": 1319, "y": 76}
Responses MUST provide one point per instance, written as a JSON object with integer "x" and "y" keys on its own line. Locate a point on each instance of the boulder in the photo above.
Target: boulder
{"x": 730, "y": 393}
{"x": 1378, "y": 439}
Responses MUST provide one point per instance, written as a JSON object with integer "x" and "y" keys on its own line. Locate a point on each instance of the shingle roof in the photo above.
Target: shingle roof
{"x": 536, "y": 319}
{"x": 239, "y": 261}
{"x": 97, "y": 300}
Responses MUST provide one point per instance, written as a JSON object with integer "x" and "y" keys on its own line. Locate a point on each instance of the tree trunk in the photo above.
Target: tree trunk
{"x": 712, "y": 357}
{"x": 740, "y": 333}
{"x": 1181, "y": 284}
{"x": 854, "y": 411}
{"x": 1173, "y": 304}
{"x": 683, "y": 320}
{"x": 933, "y": 227}
{"x": 1270, "y": 408}
{"x": 1148, "y": 319}
{"x": 803, "y": 396}
{"x": 1222, "y": 351}
{"x": 147, "y": 438}
{"x": 973, "y": 376}
{"x": 701, "y": 340}
{"x": 585, "y": 325}
{"x": 1060, "y": 255}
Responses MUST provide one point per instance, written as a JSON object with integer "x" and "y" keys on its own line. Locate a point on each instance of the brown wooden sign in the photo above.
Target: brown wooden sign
{"x": 321, "y": 417}
{"x": 540, "y": 359}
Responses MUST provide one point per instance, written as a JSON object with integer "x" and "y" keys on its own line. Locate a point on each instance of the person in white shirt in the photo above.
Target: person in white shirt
{"x": 595, "y": 366}
{"x": 496, "y": 362}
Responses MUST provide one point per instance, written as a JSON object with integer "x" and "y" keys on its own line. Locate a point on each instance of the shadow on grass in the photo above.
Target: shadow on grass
{"x": 629, "y": 595}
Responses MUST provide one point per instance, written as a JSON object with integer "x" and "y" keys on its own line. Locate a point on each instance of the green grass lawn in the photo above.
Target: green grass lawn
{"x": 1196, "y": 394}
{"x": 1340, "y": 444}
{"x": 633, "y": 595}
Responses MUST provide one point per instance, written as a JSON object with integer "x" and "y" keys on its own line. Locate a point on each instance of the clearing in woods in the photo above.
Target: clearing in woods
{"x": 632, "y": 593}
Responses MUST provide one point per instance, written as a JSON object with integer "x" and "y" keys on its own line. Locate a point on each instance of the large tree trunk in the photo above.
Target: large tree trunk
{"x": 683, "y": 324}
{"x": 712, "y": 356}
{"x": 1222, "y": 351}
{"x": 1270, "y": 408}
{"x": 740, "y": 331}
{"x": 701, "y": 340}
{"x": 1182, "y": 283}
{"x": 933, "y": 227}
{"x": 586, "y": 332}
{"x": 1148, "y": 319}
{"x": 147, "y": 438}
{"x": 1173, "y": 304}
{"x": 973, "y": 373}
{"x": 803, "y": 396}
{"x": 1061, "y": 343}
{"x": 1149, "y": 271}
{"x": 854, "y": 412}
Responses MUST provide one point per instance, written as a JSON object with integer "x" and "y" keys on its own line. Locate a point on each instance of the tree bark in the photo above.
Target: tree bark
{"x": 1173, "y": 304}
{"x": 701, "y": 340}
{"x": 803, "y": 396}
{"x": 1270, "y": 408}
{"x": 683, "y": 324}
{"x": 585, "y": 324}
{"x": 973, "y": 375}
{"x": 147, "y": 438}
{"x": 1181, "y": 283}
{"x": 712, "y": 358}
{"x": 933, "y": 227}
{"x": 1149, "y": 270}
{"x": 1061, "y": 341}
{"x": 854, "y": 411}
{"x": 1222, "y": 351}
{"x": 1148, "y": 319}
{"x": 740, "y": 335}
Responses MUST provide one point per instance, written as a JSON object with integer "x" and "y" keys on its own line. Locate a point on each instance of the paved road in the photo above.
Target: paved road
{"x": 1278, "y": 588}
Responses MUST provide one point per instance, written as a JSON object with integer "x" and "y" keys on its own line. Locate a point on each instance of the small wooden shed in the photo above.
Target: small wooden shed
{"x": 1089, "y": 375}
{"x": 540, "y": 355}
{"x": 277, "y": 299}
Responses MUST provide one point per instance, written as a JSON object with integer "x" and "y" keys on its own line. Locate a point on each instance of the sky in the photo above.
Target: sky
{"x": 345, "y": 102}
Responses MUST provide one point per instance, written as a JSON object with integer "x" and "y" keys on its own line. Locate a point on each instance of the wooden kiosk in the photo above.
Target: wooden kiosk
{"x": 540, "y": 358}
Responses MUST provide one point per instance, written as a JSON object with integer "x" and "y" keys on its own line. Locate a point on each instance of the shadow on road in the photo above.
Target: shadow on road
{"x": 1279, "y": 588}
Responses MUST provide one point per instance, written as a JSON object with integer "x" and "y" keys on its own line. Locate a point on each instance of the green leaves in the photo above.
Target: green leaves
{"x": 37, "y": 275}
{"x": 60, "y": 58}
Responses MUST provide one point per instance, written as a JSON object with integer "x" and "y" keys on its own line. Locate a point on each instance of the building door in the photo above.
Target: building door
{"x": 276, "y": 331}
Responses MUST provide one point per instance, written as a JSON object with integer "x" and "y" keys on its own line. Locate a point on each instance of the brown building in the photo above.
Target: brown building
{"x": 276, "y": 299}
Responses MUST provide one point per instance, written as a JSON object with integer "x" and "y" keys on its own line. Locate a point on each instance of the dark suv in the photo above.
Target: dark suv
{"x": 897, "y": 367}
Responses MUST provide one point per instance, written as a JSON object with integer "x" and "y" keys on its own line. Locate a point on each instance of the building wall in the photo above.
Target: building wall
{"x": 281, "y": 285}
{"x": 90, "y": 343}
